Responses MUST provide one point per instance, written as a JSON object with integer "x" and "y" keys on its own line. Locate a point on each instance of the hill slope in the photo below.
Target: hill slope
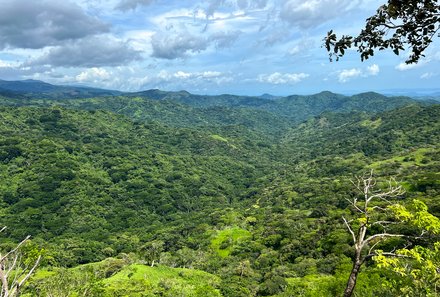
{"x": 39, "y": 89}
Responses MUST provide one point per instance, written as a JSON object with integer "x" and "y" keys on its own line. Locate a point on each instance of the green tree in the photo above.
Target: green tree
{"x": 397, "y": 25}
{"x": 375, "y": 215}
{"x": 152, "y": 250}
{"x": 367, "y": 217}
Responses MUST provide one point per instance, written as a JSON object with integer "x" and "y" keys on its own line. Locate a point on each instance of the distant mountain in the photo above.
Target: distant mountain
{"x": 420, "y": 92}
{"x": 296, "y": 108}
{"x": 202, "y": 101}
{"x": 39, "y": 89}
{"x": 271, "y": 117}
{"x": 269, "y": 96}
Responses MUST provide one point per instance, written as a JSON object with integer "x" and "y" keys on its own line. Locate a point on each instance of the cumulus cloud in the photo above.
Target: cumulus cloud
{"x": 277, "y": 78}
{"x": 93, "y": 75}
{"x": 37, "y": 24}
{"x": 347, "y": 74}
{"x": 215, "y": 5}
{"x": 373, "y": 70}
{"x": 132, "y": 4}
{"x": 178, "y": 45}
{"x": 96, "y": 51}
{"x": 194, "y": 78}
{"x": 311, "y": 13}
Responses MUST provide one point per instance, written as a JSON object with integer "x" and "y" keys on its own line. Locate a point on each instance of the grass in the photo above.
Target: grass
{"x": 130, "y": 280}
{"x": 225, "y": 239}
{"x": 372, "y": 124}
{"x": 415, "y": 158}
{"x": 162, "y": 281}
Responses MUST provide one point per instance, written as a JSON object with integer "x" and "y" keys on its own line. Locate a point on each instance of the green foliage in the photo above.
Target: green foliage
{"x": 113, "y": 277}
{"x": 417, "y": 214}
{"x": 224, "y": 241}
{"x": 397, "y": 25}
{"x": 246, "y": 192}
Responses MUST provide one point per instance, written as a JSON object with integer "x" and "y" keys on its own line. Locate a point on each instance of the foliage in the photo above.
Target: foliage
{"x": 114, "y": 278}
{"x": 396, "y": 25}
{"x": 246, "y": 196}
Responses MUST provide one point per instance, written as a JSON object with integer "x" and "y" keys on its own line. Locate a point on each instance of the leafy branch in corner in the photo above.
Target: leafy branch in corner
{"x": 397, "y": 25}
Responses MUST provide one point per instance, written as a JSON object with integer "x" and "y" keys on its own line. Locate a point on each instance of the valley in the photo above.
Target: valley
{"x": 160, "y": 193}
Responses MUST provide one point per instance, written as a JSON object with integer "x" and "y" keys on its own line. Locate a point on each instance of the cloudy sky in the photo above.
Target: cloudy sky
{"x": 245, "y": 47}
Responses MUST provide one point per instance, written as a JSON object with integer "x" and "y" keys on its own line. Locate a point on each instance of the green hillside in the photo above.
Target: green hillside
{"x": 130, "y": 196}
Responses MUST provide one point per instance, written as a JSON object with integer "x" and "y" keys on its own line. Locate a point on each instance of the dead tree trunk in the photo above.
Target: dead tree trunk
{"x": 351, "y": 283}
{"x": 358, "y": 227}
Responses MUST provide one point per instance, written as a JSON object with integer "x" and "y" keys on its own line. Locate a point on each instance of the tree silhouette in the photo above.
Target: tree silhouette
{"x": 397, "y": 25}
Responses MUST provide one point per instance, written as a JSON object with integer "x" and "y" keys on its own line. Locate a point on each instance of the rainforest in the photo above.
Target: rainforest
{"x": 160, "y": 193}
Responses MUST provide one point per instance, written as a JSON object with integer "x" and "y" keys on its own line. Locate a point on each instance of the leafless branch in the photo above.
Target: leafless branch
{"x": 14, "y": 249}
{"x": 350, "y": 230}
{"x": 11, "y": 264}
{"x": 381, "y": 236}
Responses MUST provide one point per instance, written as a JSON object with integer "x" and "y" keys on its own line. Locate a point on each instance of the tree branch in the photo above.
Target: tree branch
{"x": 350, "y": 230}
{"x": 382, "y": 236}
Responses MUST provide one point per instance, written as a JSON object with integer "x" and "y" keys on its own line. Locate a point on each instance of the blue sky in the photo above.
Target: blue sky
{"x": 245, "y": 47}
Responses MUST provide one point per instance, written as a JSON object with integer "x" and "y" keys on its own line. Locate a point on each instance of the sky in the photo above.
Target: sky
{"x": 243, "y": 47}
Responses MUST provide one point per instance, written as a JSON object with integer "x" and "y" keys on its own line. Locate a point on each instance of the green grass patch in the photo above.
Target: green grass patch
{"x": 161, "y": 281}
{"x": 108, "y": 278}
{"x": 225, "y": 240}
{"x": 415, "y": 158}
{"x": 372, "y": 124}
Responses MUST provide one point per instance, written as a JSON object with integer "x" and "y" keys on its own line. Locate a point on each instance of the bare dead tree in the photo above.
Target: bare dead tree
{"x": 13, "y": 271}
{"x": 358, "y": 228}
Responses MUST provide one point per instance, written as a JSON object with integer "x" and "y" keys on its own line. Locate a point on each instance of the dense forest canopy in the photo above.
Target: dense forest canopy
{"x": 211, "y": 196}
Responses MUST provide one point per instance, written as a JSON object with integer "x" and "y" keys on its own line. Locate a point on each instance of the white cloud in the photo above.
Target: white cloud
{"x": 8, "y": 64}
{"x": 37, "y": 24}
{"x": 277, "y": 78}
{"x": 193, "y": 78}
{"x": 166, "y": 46}
{"x": 132, "y": 4}
{"x": 95, "y": 51}
{"x": 312, "y": 13}
{"x": 373, "y": 70}
{"x": 303, "y": 46}
{"x": 93, "y": 75}
{"x": 427, "y": 75}
{"x": 347, "y": 74}
{"x": 404, "y": 67}
{"x": 183, "y": 43}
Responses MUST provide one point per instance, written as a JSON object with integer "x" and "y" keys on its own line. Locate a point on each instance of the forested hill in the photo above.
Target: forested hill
{"x": 229, "y": 198}
{"x": 38, "y": 89}
{"x": 268, "y": 117}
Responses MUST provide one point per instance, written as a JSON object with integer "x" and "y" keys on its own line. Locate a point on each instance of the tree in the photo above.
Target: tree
{"x": 151, "y": 251}
{"x": 368, "y": 217}
{"x": 14, "y": 270}
{"x": 418, "y": 267}
{"x": 397, "y": 25}
{"x": 375, "y": 215}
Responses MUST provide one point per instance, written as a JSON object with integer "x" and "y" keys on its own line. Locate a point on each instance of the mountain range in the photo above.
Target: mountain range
{"x": 160, "y": 193}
